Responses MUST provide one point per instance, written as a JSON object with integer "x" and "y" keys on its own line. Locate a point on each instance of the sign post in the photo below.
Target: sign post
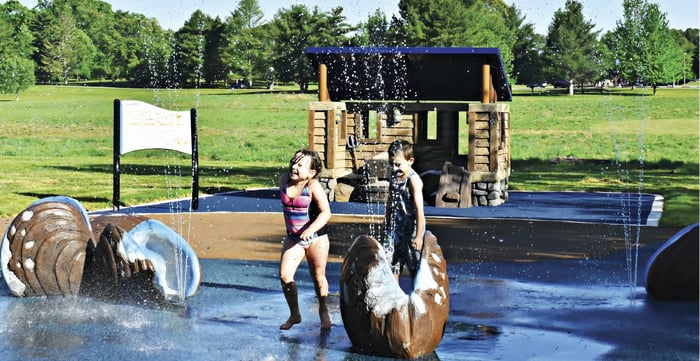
{"x": 139, "y": 126}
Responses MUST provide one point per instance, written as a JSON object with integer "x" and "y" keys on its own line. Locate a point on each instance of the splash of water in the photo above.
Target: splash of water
{"x": 631, "y": 217}
{"x": 166, "y": 95}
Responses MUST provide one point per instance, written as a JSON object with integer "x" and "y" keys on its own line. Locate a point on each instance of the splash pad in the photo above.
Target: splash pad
{"x": 519, "y": 289}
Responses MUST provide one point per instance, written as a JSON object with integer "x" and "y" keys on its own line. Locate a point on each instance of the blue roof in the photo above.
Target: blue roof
{"x": 410, "y": 73}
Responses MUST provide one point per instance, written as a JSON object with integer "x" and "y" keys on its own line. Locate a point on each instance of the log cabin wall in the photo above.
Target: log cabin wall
{"x": 352, "y": 139}
{"x": 489, "y": 153}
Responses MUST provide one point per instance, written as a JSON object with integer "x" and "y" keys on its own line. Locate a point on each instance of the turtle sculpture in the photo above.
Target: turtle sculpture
{"x": 53, "y": 248}
{"x": 379, "y": 317}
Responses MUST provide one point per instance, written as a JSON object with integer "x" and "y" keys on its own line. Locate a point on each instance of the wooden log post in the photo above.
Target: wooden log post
{"x": 323, "y": 95}
{"x": 486, "y": 83}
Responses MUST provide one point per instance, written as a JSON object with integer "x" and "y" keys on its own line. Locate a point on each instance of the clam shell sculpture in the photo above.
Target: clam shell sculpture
{"x": 177, "y": 274}
{"x": 43, "y": 249}
{"x": 108, "y": 274}
{"x": 51, "y": 249}
{"x": 134, "y": 255}
{"x": 379, "y": 317}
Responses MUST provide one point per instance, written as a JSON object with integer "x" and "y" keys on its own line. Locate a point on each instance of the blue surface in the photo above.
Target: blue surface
{"x": 588, "y": 207}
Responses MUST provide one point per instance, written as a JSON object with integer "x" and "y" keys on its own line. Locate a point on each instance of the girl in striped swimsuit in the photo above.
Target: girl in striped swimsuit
{"x": 301, "y": 194}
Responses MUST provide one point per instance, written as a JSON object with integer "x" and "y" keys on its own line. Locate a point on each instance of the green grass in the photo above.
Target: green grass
{"x": 58, "y": 140}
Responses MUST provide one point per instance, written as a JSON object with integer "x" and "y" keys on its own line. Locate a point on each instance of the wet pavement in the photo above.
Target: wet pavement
{"x": 590, "y": 308}
{"x": 548, "y": 310}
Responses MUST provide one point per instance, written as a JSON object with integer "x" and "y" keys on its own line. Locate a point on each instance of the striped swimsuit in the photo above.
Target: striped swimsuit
{"x": 296, "y": 214}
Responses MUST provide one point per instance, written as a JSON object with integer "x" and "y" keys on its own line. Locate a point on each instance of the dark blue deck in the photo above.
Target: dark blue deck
{"x": 589, "y": 207}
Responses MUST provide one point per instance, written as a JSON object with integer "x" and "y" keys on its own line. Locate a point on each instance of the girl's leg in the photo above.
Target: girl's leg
{"x": 289, "y": 262}
{"x": 317, "y": 256}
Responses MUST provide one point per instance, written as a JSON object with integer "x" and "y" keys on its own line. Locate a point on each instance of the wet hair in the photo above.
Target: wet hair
{"x": 401, "y": 146}
{"x": 314, "y": 159}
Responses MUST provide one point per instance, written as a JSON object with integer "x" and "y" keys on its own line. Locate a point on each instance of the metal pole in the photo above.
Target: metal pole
{"x": 116, "y": 154}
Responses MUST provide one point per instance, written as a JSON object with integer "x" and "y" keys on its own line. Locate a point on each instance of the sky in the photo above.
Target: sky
{"x": 172, "y": 14}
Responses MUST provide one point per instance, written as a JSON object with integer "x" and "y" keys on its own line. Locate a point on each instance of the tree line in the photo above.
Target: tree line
{"x": 85, "y": 40}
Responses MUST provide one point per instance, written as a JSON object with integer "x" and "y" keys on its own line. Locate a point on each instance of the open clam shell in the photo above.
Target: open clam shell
{"x": 379, "y": 317}
{"x": 177, "y": 273}
{"x": 136, "y": 256}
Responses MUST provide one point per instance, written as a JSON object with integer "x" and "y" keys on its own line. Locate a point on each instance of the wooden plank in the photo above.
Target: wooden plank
{"x": 481, "y": 168}
{"x": 311, "y": 128}
{"x": 404, "y": 123}
{"x": 479, "y": 116}
{"x": 480, "y": 159}
{"x": 481, "y": 134}
{"x": 481, "y": 124}
{"x": 343, "y": 127}
{"x": 331, "y": 139}
{"x": 393, "y": 132}
{"x": 318, "y": 122}
{"x": 495, "y": 140}
{"x": 481, "y": 151}
{"x": 325, "y": 105}
{"x": 481, "y": 142}
{"x": 498, "y": 107}
{"x": 370, "y": 155}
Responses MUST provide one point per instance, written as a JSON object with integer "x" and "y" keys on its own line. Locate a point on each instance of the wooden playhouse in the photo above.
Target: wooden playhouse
{"x": 448, "y": 102}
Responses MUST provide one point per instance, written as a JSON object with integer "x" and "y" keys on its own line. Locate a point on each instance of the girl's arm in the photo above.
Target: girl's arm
{"x": 318, "y": 195}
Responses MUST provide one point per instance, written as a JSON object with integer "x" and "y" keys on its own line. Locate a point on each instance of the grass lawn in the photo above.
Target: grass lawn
{"x": 57, "y": 140}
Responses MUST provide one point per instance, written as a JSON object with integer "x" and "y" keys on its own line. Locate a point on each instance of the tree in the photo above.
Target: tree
{"x": 67, "y": 50}
{"x": 373, "y": 32}
{"x": 16, "y": 75}
{"x": 16, "y": 65}
{"x": 96, "y": 21}
{"x": 331, "y": 28}
{"x": 214, "y": 68}
{"x": 644, "y": 49}
{"x": 295, "y": 29}
{"x": 248, "y": 53}
{"x": 690, "y": 58}
{"x": 571, "y": 49}
{"x": 189, "y": 49}
{"x": 528, "y": 56}
{"x": 292, "y": 30}
{"x": 528, "y": 51}
{"x": 452, "y": 23}
{"x": 147, "y": 52}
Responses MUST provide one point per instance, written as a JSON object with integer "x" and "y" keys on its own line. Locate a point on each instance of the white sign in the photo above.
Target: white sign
{"x": 145, "y": 126}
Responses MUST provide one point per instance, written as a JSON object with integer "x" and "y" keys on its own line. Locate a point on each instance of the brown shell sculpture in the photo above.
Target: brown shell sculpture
{"x": 108, "y": 274}
{"x": 123, "y": 221}
{"x": 379, "y": 317}
{"x": 43, "y": 250}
